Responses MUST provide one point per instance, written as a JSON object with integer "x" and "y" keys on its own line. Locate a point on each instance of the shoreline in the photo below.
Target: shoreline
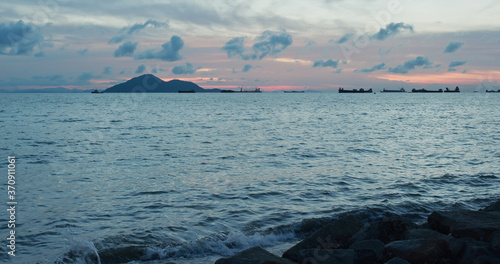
{"x": 453, "y": 236}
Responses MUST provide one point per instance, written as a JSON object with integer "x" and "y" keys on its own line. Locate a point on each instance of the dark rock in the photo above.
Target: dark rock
{"x": 374, "y": 245}
{"x": 397, "y": 261}
{"x": 478, "y": 252}
{"x": 495, "y": 241}
{"x": 326, "y": 256}
{"x": 255, "y": 255}
{"x": 463, "y": 223}
{"x": 335, "y": 235}
{"x": 386, "y": 230}
{"x": 494, "y": 207}
{"x": 456, "y": 246}
{"x": 430, "y": 250}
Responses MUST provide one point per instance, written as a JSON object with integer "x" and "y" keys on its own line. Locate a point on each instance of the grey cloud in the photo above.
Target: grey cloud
{"x": 268, "y": 43}
{"x": 247, "y": 68}
{"x": 452, "y": 47}
{"x": 234, "y": 47}
{"x": 19, "y": 38}
{"x": 391, "y": 30}
{"x": 49, "y": 78}
{"x": 83, "y": 51}
{"x": 85, "y": 77}
{"x": 126, "y": 49}
{"x": 327, "y": 63}
{"x": 185, "y": 69}
{"x": 107, "y": 70}
{"x": 374, "y": 68}
{"x": 169, "y": 52}
{"x": 456, "y": 64}
{"x": 410, "y": 65}
{"x": 140, "y": 69}
{"x": 128, "y": 31}
{"x": 345, "y": 38}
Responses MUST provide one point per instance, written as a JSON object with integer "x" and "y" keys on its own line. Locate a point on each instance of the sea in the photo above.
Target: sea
{"x": 190, "y": 178}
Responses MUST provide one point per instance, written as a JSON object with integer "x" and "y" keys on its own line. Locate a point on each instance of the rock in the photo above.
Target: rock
{"x": 429, "y": 250}
{"x": 463, "y": 223}
{"x": 478, "y": 252}
{"x": 495, "y": 241}
{"x": 397, "y": 261}
{"x": 494, "y": 207}
{"x": 387, "y": 230}
{"x": 374, "y": 245}
{"x": 326, "y": 256}
{"x": 335, "y": 235}
{"x": 255, "y": 255}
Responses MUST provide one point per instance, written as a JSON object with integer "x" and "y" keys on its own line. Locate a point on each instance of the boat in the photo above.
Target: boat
{"x": 96, "y": 91}
{"x": 426, "y": 91}
{"x": 457, "y": 90}
{"x": 293, "y": 91}
{"x": 402, "y": 90}
{"x": 256, "y": 90}
{"x": 186, "y": 91}
{"x": 493, "y": 91}
{"x": 342, "y": 90}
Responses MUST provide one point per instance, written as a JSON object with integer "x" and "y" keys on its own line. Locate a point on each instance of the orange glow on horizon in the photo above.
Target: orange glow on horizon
{"x": 472, "y": 77}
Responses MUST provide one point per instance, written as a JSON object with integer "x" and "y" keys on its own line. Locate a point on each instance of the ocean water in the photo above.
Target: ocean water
{"x": 188, "y": 178}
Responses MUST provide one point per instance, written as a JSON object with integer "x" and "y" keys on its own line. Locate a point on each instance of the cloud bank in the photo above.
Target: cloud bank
{"x": 327, "y": 63}
{"x": 128, "y": 31}
{"x": 185, "y": 69}
{"x": 169, "y": 52}
{"x": 126, "y": 49}
{"x": 410, "y": 65}
{"x": 391, "y": 30}
{"x": 374, "y": 68}
{"x": 19, "y": 38}
{"x": 452, "y": 47}
{"x": 268, "y": 43}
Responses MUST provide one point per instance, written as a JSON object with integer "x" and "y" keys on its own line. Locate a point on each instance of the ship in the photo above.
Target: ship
{"x": 457, "y": 90}
{"x": 293, "y": 91}
{"x": 426, "y": 91}
{"x": 342, "y": 90}
{"x": 402, "y": 90}
{"x": 493, "y": 91}
{"x": 96, "y": 91}
{"x": 256, "y": 90}
{"x": 186, "y": 91}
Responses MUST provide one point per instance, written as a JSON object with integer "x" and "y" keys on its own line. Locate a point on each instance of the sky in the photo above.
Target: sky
{"x": 274, "y": 45}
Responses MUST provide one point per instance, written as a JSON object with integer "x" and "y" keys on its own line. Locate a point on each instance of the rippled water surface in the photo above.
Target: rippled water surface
{"x": 121, "y": 178}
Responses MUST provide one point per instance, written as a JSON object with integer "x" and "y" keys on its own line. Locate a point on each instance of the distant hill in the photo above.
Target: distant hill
{"x": 148, "y": 83}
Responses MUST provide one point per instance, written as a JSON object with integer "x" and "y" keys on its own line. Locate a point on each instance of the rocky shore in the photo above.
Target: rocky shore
{"x": 459, "y": 236}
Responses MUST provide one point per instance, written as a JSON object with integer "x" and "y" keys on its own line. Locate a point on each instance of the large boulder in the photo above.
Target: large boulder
{"x": 415, "y": 251}
{"x": 335, "y": 235}
{"x": 326, "y": 256}
{"x": 255, "y": 255}
{"x": 386, "y": 230}
{"x": 479, "y": 225}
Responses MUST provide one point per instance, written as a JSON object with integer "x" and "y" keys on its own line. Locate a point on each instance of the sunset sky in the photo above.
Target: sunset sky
{"x": 274, "y": 45}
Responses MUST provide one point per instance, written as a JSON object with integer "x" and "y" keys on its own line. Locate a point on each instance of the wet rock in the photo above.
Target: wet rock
{"x": 478, "y": 252}
{"x": 374, "y": 245}
{"x": 326, "y": 256}
{"x": 397, "y": 261}
{"x": 387, "y": 230}
{"x": 494, "y": 207}
{"x": 495, "y": 241}
{"x": 255, "y": 255}
{"x": 479, "y": 225}
{"x": 335, "y": 235}
{"x": 429, "y": 250}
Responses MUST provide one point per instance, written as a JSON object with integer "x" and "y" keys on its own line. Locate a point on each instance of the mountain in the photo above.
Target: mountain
{"x": 148, "y": 83}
